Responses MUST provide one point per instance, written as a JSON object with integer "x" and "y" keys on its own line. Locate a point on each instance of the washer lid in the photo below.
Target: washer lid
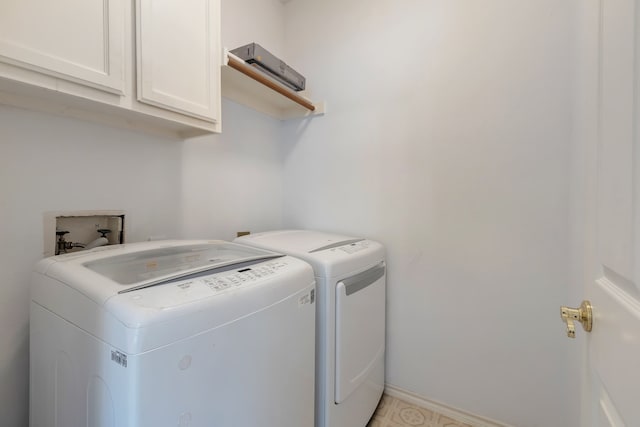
{"x": 154, "y": 266}
{"x": 102, "y": 273}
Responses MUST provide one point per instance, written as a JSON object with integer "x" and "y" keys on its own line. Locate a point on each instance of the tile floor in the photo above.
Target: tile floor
{"x": 393, "y": 412}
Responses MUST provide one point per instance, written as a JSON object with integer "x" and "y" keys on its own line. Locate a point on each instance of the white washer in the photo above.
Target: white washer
{"x": 350, "y": 328}
{"x": 172, "y": 333}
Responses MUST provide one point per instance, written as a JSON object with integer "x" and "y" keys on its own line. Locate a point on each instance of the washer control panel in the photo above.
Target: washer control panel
{"x": 354, "y": 247}
{"x": 234, "y": 278}
{"x": 190, "y": 290}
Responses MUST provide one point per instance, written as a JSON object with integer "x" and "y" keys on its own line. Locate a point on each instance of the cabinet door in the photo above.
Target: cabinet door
{"x": 77, "y": 40}
{"x": 178, "y": 56}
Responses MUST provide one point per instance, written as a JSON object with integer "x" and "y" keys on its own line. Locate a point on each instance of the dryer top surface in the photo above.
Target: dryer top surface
{"x": 329, "y": 254}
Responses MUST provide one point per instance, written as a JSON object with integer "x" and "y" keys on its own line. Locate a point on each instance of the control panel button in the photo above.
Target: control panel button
{"x": 231, "y": 279}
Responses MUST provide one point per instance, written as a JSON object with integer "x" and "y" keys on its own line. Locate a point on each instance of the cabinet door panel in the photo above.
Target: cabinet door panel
{"x": 76, "y": 40}
{"x": 178, "y": 69}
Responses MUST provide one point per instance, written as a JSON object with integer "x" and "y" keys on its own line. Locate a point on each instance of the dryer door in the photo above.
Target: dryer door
{"x": 360, "y": 328}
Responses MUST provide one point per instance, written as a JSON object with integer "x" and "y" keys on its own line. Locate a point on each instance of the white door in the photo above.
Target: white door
{"x": 612, "y": 377}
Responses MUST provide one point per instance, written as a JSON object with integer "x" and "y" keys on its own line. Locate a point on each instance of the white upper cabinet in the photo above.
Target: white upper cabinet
{"x": 76, "y": 40}
{"x": 150, "y": 65}
{"x": 174, "y": 68}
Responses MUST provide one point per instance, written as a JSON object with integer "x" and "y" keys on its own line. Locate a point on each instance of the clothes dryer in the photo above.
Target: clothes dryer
{"x": 350, "y": 330}
{"x": 172, "y": 333}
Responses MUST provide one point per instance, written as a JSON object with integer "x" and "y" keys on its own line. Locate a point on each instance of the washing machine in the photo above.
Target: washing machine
{"x": 172, "y": 333}
{"x": 350, "y": 329}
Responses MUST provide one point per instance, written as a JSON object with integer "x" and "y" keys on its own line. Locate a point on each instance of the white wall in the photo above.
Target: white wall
{"x": 57, "y": 164}
{"x": 249, "y": 21}
{"x": 447, "y": 138}
{"x": 233, "y": 181}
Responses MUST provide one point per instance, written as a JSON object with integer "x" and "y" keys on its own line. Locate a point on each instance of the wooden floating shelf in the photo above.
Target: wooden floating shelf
{"x": 247, "y": 85}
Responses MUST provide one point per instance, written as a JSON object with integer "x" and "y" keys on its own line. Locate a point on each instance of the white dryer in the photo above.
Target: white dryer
{"x": 172, "y": 333}
{"x": 350, "y": 328}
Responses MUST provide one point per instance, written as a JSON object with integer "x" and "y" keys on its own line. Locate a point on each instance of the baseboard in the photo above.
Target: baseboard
{"x": 440, "y": 408}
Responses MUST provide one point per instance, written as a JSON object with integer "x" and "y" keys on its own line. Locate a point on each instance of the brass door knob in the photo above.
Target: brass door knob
{"x": 582, "y": 314}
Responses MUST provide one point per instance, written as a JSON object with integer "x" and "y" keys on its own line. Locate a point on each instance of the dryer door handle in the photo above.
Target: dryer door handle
{"x": 360, "y": 281}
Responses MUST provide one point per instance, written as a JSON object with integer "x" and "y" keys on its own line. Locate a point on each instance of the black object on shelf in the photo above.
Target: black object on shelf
{"x": 263, "y": 60}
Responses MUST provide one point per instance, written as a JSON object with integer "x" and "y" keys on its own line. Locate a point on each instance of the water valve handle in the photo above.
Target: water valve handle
{"x": 61, "y": 246}
{"x": 103, "y": 232}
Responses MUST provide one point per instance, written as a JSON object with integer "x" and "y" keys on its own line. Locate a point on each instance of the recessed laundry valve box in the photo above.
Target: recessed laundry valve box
{"x": 66, "y": 232}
